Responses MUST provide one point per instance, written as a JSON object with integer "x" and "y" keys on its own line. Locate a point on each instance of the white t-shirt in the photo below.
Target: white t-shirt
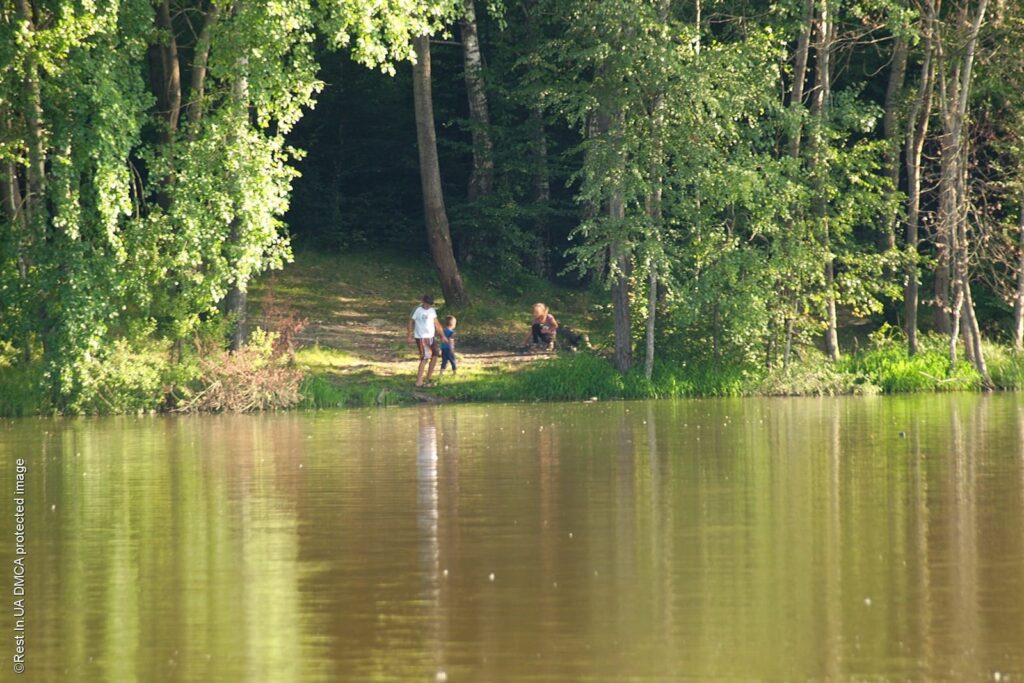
{"x": 423, "y": 322}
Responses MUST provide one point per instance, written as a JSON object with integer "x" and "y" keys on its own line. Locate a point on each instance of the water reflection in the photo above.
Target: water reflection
{"x": 790, "y": 539}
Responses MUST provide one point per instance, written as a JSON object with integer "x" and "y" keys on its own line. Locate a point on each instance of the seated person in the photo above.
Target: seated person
{"x": 544, "y": 328}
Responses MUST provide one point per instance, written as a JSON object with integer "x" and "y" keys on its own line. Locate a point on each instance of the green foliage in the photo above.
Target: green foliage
{"x": 887, "y": 365}
{"x": 21, "y": 386}
{"x": 142, "y": 207}
{"x": 814, "y": 377}
{"x": 128, "y": 380}
{"x": 1005, "y": 366}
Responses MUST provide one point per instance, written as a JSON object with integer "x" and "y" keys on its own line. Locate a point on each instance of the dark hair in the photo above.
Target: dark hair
{"x": 449, "y": 319}
{"x": 428, "y": 299}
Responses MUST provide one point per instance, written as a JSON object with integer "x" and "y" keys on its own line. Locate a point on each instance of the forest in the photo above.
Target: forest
{"x": 747, "y": 187}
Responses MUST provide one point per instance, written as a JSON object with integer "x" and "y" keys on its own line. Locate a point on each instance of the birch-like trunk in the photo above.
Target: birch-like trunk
{"x": 819, "y": 110}
{"x": 891, "y": 130}
{"x": 438, "y": 232}
{"x": 1018, "y": 301}
{"x": 481, "y": 178}
{"x": 955, "y": 89}
{"x": 917, "y": 131}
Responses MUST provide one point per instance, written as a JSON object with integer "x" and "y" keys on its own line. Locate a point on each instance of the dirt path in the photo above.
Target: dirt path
{"x": 380, "y": 346}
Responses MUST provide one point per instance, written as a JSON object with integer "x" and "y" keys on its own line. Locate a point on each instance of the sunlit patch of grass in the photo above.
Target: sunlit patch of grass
{"x": 317, "y": 357}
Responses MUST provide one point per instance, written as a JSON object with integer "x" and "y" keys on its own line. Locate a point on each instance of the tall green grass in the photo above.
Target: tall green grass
{"x": 889, "y": 366}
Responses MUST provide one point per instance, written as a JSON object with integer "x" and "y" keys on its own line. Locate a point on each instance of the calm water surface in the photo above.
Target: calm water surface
{"x": 728, "y": 540}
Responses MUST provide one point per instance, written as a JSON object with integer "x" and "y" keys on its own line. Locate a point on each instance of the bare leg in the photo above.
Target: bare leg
{"x": 430, "y": 370}
{"x": 419, "y": 372}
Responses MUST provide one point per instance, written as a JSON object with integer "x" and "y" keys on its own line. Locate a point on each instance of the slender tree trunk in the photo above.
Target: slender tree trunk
{"x": 654, "y": 203}
{"x": 944, "y": 236}
{"x": 237, "y": 300}
{"x": 819, "y": 109}
{"x": 35, "y": 173}
{"x": 438, "y": 233}
{"x": 654, "y": 211}
{"x": 803, "y": 48}
{"x": 796, "y": 103}
{"x": 481, "y": 178}
{"x": 891, "y": 130}
{"x": 620, "y": 294}
{"x": 200, "y": 62}
{"x": 541, "y": 188}
{"x": 619, "y": 259}
{"x": 955, "y": 90}
{"x": 11, "y": 200}
{"x": 1018, "y": 302}
{"x": 788, "y": 348}
{"x": 652, "y": 309}
{"x": 917, "y": 131}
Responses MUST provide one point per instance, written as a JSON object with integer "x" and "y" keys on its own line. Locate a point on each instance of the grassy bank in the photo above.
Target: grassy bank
{"x": 584, "y": 376}
{"x": 338, "y": 340}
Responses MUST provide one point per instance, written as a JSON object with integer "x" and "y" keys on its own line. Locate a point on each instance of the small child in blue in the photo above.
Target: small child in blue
{"x": 448, "y": 344}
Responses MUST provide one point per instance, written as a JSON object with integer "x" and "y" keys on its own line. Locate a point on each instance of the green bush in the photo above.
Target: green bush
{"x": 815, "y": 378}
{"x": 125, "y": 380}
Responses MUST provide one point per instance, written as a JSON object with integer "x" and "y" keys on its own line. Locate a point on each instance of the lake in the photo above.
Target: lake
{"x": 783, "y": 539}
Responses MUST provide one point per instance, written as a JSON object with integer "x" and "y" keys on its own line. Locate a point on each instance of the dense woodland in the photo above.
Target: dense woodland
{"x": 742, "y": 176}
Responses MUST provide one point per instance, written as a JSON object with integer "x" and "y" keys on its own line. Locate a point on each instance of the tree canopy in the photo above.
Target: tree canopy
{"x": 741, "y": 176}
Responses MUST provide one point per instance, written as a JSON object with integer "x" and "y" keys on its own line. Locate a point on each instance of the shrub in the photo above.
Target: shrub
{"x": 245, "y": 380}
{"x": 815, "y": 378}
{"x": 127, "y": 379}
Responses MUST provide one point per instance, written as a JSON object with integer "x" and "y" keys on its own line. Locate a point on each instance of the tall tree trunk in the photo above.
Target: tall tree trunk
{"x": 237, "y": 300}
{"x": 438, "y": 233}
{"x": 200, "y": 62}
{"x": 803, "y": 48}
{"x": 891, "y": 130}
{"x": 1018, "y": 302}
{"x": 654, "y": 211}
{"x": 166, "y": 71}
{"x": 945, "y": 286}
{"x": 796, "y": 103}
{"x": 819, "y": 109}
{"x": 652, "y": 309}
{"x": 955, "y": 88}
{"x": 481, "y": 178}
{"x": 620, "y": 293}
{"x": 917, "y": 132}
{"x": 620, "y": 260}
{"x": 35, "y": 173}
{"x": 541, "y": 188}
